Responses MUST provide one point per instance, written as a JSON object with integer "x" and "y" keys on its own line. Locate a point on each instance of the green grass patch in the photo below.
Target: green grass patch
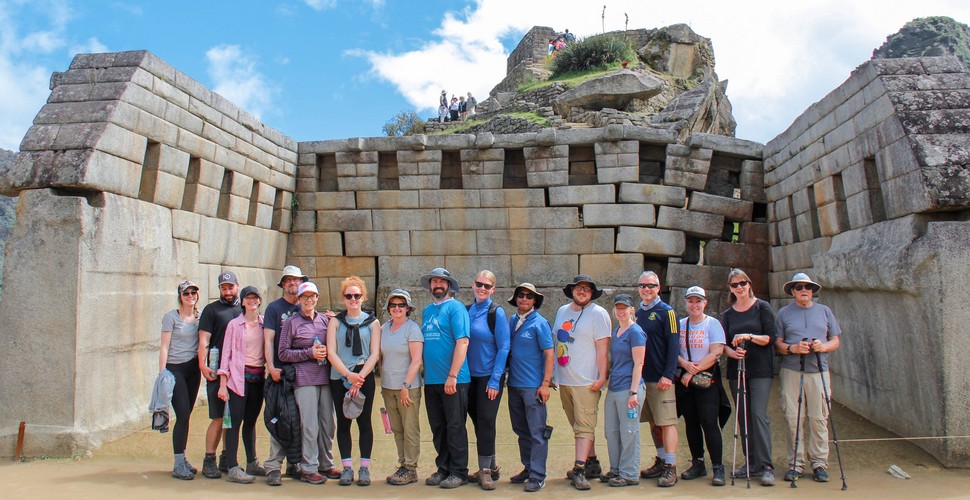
{"x": 573, "y": 78}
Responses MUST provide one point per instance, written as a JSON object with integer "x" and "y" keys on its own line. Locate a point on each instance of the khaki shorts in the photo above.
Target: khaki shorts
{"x": 581, "y": 406}
{"x": 659, "y": 407}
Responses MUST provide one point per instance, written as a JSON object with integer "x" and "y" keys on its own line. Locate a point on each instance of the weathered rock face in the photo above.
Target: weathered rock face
{"x": 678, "y": 51}
{"x": 614, "y": 90}
{"x": 704, "y": 109}
{"x": 928, "y": 36}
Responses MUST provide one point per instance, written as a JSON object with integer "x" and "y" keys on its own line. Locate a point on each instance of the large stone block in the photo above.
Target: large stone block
{"x": 754, "y": 232}
{"x": 741, "y": 255}
{"x": 465, "y": 267}
{"x": 377, "y": 243}
{"x": 508, "y": 198}
{"x": 315, "y": 244}
{"x": 186, "y": 225}
{"x": 406, "y": 271}
{"x": 415, "y": 182}
{"x": 655, "y": 194}
{"x": 397, "y": 220}
{"x": 344, "y": 220}
{"x": 731, "y": 208}
{"x": 555, "y": 217}
{"x": 619, "y": 215}
{"x": 650, "y": 241}
{"x": 620, "y": 269}
{"x": 706, "y": 277}
{"x": 387, "y": 199}
{"x": 328, "y": 200}
{"x": 697, "y": 224}
{"x": 474, "y": 218}
{"x": 581, "y": 195}
{"x": 444, "y": 243}
{"x": 165, "y": 189}
{"x": 341, "y": 267}
{"x": 578, "y": 241}
{"x": 450, "y": 198}
{"x": 544, "y": 270}
{"x": 511, "y": 242}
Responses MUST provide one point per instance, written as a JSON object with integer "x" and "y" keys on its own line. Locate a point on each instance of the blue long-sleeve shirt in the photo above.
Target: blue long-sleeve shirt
{"x": 488, "y": 352}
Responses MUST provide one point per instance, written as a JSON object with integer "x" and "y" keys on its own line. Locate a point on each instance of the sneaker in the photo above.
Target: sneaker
{"x": 254, "y": 468}
{"x": 696, "y": 470}
{"x": 718, "y": 479}
{"x": 403, "y": 476}
{"x": 237, "y": 475}
{"x": 222, "y": 462}
{"x": 792, "y": 474}
{"x": 363, "y": 476}
{"x": 768, "y": 476}
{"x": 484, "y": 477}
{"x": 331, "y": 473}
{"x": 496, "y": 475}
{"x": 346, "y": 477}
{"x": 821, "y": 475}
{"x": 654, "y": 470}
{"x": 209, "y": 467}
{"x": 668, "y": 477}
{"x": 520, "y": 477}
{"x": 622, "y": 481}
{"x": 533, "y": 485}
{"x": 605, "y": 478}
{"x": 452, "y": 481}
{"x": 742, "y": 472}
{"x": 312, "y": 478}
{"x": 435, "y": 479}
{"x": 274, "y": 478}
{"x": 578, "y": 478}
{"x": 593, "y": 468}
{"x": 193, "y": 469}
{"x": 293, "y": 471}
{"x": 183, "y": 472}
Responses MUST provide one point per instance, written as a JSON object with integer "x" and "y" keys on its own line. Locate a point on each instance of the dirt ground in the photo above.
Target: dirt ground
{"x": 139, "y": 466}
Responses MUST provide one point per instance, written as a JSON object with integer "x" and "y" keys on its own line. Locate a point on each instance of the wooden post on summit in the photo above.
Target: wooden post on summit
{"x": 20, "y": 441}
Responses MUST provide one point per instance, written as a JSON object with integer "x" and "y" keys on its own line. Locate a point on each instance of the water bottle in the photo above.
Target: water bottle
{"x": 316, "y": 342}
{"x": 386, "y": 419}
{"x": 227, "y": 417}
{"x": 632, "y": 413}
{"x": 214, "y": 359}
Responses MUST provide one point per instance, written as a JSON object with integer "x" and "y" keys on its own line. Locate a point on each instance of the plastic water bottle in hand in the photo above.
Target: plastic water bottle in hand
{"x": 316, "y": 342}
{"x": 227, "y": 418}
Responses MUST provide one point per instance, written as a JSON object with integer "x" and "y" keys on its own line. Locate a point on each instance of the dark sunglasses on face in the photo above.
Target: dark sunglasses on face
{"x": 193, "y": 292}
{"x": 352, "y": 296}
{"x": 525, "y": 295}
{"x": 739, "y": 284}
{"x": 801, "y": 287}
{"x": 648, "y": 285}
{"x": 397, "y": 305}
{"x": 582, "y": 288}
{"x": 486, "y": 286}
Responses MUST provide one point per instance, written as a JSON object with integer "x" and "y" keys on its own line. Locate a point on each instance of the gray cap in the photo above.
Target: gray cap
{"x": 439, "y": 272}
{"x": 228, "y": 277}
{"x": 402, "y": 293}
{"x": 353, "y": 406}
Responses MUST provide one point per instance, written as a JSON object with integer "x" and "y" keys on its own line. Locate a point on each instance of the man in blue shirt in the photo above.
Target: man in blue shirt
{"x": 445, "y": 326}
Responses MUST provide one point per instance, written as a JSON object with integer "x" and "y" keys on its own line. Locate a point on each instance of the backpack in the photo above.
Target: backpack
{"x": 490, "y": 317}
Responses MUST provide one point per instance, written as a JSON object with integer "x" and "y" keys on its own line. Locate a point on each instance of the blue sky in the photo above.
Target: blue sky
{"x": 321, "y": 69}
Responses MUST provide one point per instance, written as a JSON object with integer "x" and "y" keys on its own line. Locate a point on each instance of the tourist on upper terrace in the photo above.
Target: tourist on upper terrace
{"x": 472, "y": 104}
{"x": 212, "y": 330}
{"x": 443, "y": 107}
{"x": 804, "y": 319}
{"x": 582, "y": 329}
{"x": 488, "y": 350}
{"x": 242, "y": 376}
{"x": 659, "y": 322}
{"x": 402, "y": 344}
{"x": 530, "y": 376}
{"x": 700, "y": 392}
{"x": 749, "y": 327}
{"x": 353, "y": 349}
{"x": 568, "y": 37}
{"x": 303, "y": 344}
{"x": 462, "y": 108}
{"x": 444, "y": 323}
{"x": 453, "y": 109}
{"x": 178, "y": 353}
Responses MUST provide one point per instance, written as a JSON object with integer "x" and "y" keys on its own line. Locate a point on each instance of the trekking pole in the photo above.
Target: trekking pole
{"x": 798, "y": 417}
{"x": 828, "y": 404}
{"x": 737, "y": 415}
{"x": 747, "y": 420}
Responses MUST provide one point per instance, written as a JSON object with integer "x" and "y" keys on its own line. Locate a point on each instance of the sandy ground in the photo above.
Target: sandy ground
{"x": 139, "y": 466}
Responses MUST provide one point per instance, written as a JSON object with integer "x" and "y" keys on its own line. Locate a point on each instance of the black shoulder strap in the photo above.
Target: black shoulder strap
{"x": 491, "y": 316}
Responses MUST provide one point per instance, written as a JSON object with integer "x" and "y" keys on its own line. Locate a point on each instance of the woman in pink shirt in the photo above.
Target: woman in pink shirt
{"x": 241, "y": 377}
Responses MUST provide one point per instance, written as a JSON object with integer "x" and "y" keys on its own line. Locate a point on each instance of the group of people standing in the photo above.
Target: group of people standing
{"x": 458, "y": 110}
{"x": 317, "y": 372}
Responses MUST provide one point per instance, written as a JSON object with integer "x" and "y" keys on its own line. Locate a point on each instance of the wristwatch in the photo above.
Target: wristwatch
{"x": 789, "y": 348}
{"x": 633, "y": 393}
{"x": 407, "y": 385}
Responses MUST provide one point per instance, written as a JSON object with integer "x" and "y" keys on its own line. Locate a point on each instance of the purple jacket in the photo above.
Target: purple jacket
{"x": 233, "y": 361}
{"x": 296, "y": 346}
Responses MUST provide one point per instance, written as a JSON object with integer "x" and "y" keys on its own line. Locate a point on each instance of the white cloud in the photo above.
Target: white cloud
{"x": 234, "y": 75}
{"x": 91, "y": 46}
{"x": 321, "y": 4}
{"x": 778, "y": 56}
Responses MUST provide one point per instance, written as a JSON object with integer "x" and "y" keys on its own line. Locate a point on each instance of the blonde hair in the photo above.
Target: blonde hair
{"x": 737, "y": 273}
{"x": 489, "y": 275}
{"x": 354, "y": 281}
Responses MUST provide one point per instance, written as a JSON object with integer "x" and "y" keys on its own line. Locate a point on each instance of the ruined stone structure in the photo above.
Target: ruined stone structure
{"x": 135, "y": 176}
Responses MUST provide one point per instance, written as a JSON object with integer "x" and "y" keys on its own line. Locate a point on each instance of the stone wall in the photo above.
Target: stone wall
{"x": 132, "y": 178}
{"x": 869, "y": 192}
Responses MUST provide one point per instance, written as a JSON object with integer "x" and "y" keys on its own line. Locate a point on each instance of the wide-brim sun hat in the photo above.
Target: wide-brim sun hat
{"x": 292, "y": 271}
{"x": 305, "y": 287}
{"x": 568, "y": 289}
{"x": 800, "y": 278}
{"x": 530, "y": 287}
{"x": 695, "y": 291}
{"x": 402, "y": 293}
{"x": 440, "y": 272}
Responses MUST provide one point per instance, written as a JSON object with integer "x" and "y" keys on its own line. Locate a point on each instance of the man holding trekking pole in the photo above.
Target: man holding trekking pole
{"x": 807, "y": 331}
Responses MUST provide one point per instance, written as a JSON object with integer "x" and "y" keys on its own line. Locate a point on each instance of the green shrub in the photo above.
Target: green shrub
{"x": 595, "y": 52}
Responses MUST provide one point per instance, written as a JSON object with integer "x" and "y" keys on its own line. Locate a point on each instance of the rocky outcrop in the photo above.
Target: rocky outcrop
{"x": 928, "y": 36}
{"x": 678, "y": 51}
{"x": 705, "y": 109}
{"x": 614, "y": 90}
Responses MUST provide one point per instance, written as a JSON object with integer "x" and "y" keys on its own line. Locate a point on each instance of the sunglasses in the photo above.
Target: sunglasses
{"x": 352, "y": 296}
{"x": 525, "y": 295}
{"x": 648, "y": 285}
{"x": 562, "y": 354}
{"x": 583, "y": 288}
{"x": 486, "y": 286}
{"x": 801, "y": 287}
{"x": 739, "y": 284}
{"x": 397, "y": 305}
{"x": 187, "y": 294}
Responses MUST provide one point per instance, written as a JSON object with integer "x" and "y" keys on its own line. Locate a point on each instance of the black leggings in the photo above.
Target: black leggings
{"x": 344, "y": 443}
{"x": 700, "y": 410}
{"x": 187, "y": 378}
{"x": 245, "y": 412}
{"x": 483, "y": 413}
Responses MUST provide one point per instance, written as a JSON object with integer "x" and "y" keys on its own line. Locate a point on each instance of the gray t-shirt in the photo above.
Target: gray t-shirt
{"x": 795, "y": 323}
{"x": 395, "y": 356}
{"x": 185, "y": 337}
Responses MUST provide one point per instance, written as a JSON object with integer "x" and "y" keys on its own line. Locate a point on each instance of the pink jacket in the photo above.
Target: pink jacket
{"x": 233, "y": 362}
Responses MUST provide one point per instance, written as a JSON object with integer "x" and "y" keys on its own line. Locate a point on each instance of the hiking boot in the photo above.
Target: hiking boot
{"x": 193, "y": 469}
{"x": 254, "y": 468}
{"x": 237, "y": 475}
{"x": 792, "y": 474}
{"x": 331, "y": 473}
{"x": 293, "y": 471}
{"x": 593, "y": 468}
{"x": 578, "y": 478}
{"x": 403, "y": 476}
{"x": 222, "y": 462}
{"x": 533, "y": 485}
{"x": 209, "y": 467}
{"x": 484, "y": 477}
{"x": 452, "y": 481}
{"x": 363, "y": 476}
{"x": 312, "y": 478}
{"x": 821, "y": 475}
{"x": 654, "y": 470}
{"x": 183, "y": 472}
{"x": 346, "y": 477}
{"x": 696, "y": 470}
{"x": 520, "y": 477}
{"x": 668, "y": 477}
{"x": 768, "y": 476}
{"x": 742, "y": 472}
{"x": 622, "y": 481}
{"x": 605, "y": 478}
{"x": 435, "y": 479}
{"x": 718, "y": 479}
{"x": 274, "y": 478}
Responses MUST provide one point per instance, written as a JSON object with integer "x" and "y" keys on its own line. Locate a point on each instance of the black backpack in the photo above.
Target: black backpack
{"x": 490, "y": 317}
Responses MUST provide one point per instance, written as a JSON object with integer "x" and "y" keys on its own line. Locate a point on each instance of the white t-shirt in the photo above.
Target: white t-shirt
{"x": 594, "y": 324}
{"x": 702, "y": 336}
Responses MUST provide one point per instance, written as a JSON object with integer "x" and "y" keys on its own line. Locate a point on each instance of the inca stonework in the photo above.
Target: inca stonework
{"x": 134, "y": 177}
